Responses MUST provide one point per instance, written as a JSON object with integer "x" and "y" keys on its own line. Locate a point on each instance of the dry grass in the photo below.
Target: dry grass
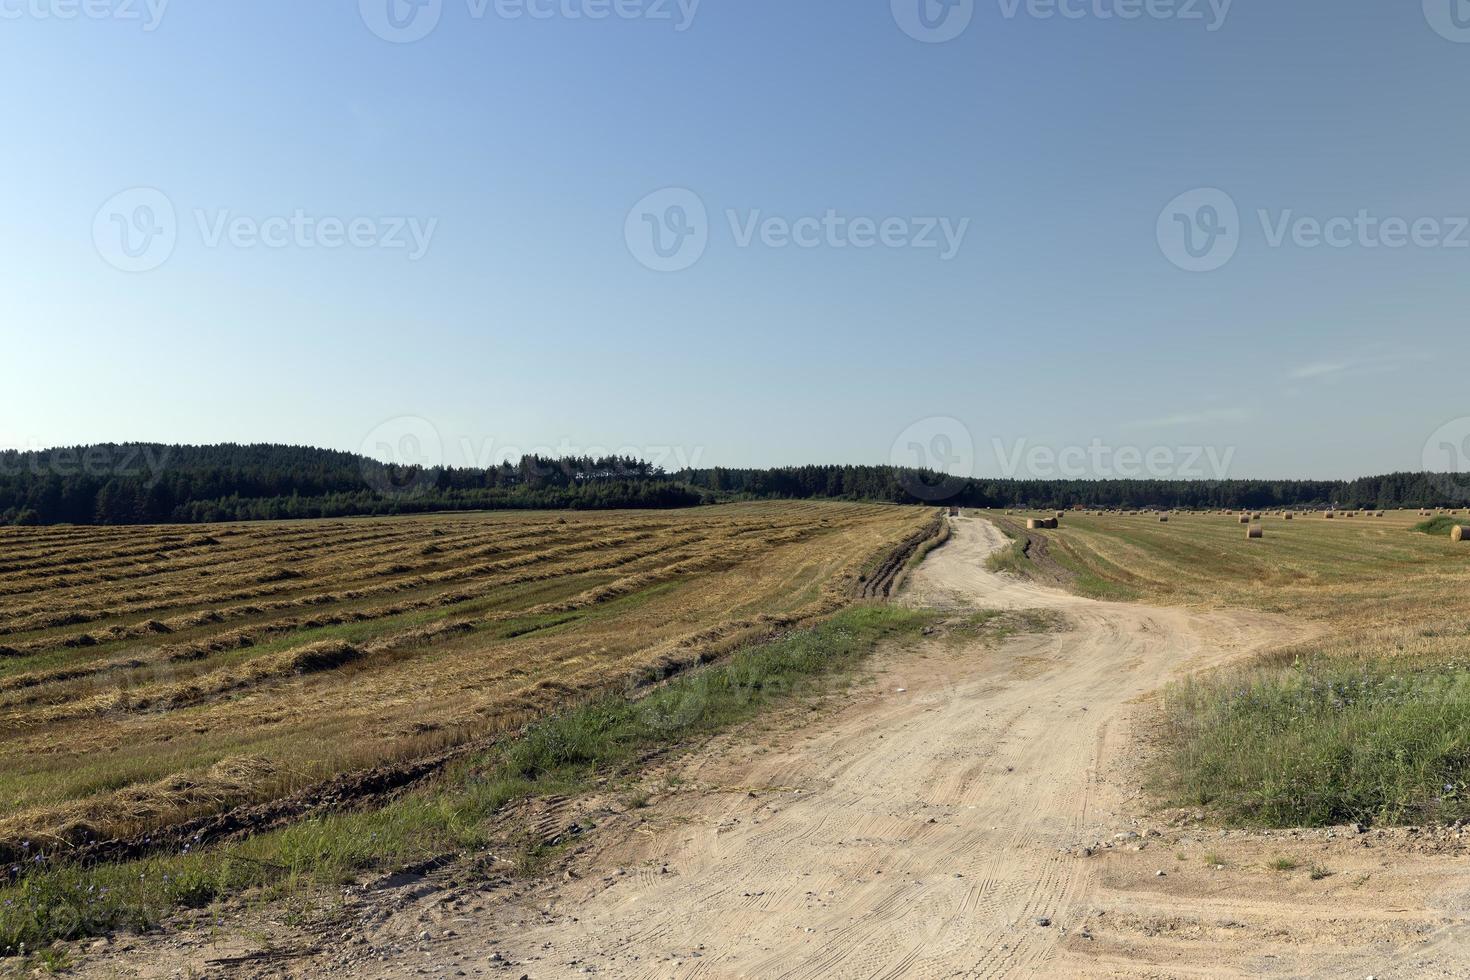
{"x": 151, "y": 674}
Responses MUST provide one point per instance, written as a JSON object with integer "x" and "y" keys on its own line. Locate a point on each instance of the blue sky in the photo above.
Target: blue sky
{"x": 519, "y": 148}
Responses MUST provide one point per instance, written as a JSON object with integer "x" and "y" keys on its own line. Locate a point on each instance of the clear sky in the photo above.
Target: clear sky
{"x": 290, "y": 221}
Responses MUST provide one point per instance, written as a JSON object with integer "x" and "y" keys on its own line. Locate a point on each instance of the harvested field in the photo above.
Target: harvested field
{"x": 1366, "y": 722}
{"x": 1382, "y": 573}
{"x": 153, "y": 675}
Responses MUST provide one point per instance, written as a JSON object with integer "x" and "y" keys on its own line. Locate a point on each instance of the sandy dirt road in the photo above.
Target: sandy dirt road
{"x": 972, "y": 812}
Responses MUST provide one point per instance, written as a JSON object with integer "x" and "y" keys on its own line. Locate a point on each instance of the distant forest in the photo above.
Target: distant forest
{"x": 147, "y": 483}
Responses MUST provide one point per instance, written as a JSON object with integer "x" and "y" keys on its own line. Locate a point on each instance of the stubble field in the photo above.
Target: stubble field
{"x": 149, "y": 676}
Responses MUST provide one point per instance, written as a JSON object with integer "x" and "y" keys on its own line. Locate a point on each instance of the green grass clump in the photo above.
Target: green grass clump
{"x": 1323, "y": 741}
{"x": 1011, "y": 559}
{"x": 1441, "y": 526}
{"x": 50, "y": 901}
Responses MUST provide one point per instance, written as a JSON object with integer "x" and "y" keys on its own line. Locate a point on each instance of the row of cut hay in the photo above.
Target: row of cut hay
{"x": 247, "y": 636}
{"x": 208, "y": 539}
{"x": 332, "y": 565}
{"x": 355, "y": 591}
{"x": 699, "y": 556}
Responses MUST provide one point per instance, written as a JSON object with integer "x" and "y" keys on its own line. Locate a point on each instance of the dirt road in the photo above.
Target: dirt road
{"x": 970, "y": 813}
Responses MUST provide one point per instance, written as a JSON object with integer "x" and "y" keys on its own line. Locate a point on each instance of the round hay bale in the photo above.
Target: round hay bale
{"x": 1164, "y": 519}
{"x": 1460, "y": 533}
{"x": 1289, "y": 517}
{"x": 1245, "y": 518}
{"x": 1255, "y": 531}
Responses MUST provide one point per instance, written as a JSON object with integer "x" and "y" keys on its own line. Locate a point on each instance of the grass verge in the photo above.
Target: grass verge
{"x": 1011, "y": 560}
{"x": 1322, "y": 740}
{"x": 50, "y": 902}
{"x": 1440, "y": 527}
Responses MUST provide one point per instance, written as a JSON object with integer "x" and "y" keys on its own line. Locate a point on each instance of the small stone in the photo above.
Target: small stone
{"x": 1043, "y": 922}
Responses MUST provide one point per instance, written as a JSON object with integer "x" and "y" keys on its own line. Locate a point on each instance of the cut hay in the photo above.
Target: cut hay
{"x": 326, "y": 655}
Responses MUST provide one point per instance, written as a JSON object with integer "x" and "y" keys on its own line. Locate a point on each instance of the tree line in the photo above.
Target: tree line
{"x": 149, "y": 483}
